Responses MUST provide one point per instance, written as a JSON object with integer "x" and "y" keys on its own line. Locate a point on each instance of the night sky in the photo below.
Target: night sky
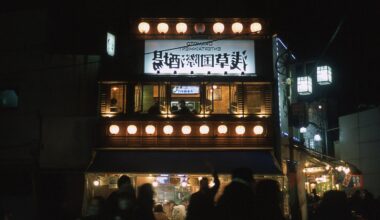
{"x": 306, "y": 26}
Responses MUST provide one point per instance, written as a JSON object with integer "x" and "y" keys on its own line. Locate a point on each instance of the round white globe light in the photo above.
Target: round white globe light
{"x": 150, "y": 129}
{"x": 237, "y": 27}
{"x": 168, "y": 129}
{"x": 199, "y": 28}
{"x": 218, "y": 28}
{"x": 258, "y": 129}
{"x": 144, "y": 27}
{"x": 204, "y": 129}
{"x": 240, "y": 129}
{"x": 132, "y": 129}
{"x": 181, "y": 28}
{"x": 186, "y": 129}
{"x": 114, "y": 129}
{"x": 222, "y": 129}
{"x": 317, "y": 137}
{"x": 256, "y": 27}
{"x": 96, "y": 183}
{"x": 162, "y": 28}
{"x": 155, "y": 184}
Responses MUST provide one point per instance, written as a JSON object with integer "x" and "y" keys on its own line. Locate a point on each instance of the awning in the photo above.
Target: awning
{"x": 149, "y": 161}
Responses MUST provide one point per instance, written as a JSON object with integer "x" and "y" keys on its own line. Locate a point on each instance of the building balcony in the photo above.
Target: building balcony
{"x": 182, "y": 133}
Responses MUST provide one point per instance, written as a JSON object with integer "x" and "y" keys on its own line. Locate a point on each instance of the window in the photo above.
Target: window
{"x": 8, "y": 98}
{"x": 185, "y": 98}
{"x": 217, "y": 98}
{"x": 150, "y": 98}
{"x": 112, "y": 99}
{"x": 253, "y": 99}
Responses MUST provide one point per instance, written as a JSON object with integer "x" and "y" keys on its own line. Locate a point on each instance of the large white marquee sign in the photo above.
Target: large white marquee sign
{"x": 199, "y": 57}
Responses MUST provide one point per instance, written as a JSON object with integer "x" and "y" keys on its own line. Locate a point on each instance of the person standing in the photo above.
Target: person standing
{"x": 126, "y": 189}
{"x": 145, "y": 202}
{"x": 238, "y": 200}
{"x": 201, "y": 206}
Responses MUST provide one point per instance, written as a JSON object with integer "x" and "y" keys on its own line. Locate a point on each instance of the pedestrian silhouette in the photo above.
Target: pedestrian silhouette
{"x": 202, "y": 206}
{"x": 145, "y": 202}
{"x": 159, "y": 213}
{"x": 268, "y": 200}
{"x": 334, "y": 205}
{"x": 183, "y": 108}
{"x": 126, "y": 190}
{"x": 237, "y": 201}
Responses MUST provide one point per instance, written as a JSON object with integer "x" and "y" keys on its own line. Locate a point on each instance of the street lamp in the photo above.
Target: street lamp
{"x": 324, "y": 75}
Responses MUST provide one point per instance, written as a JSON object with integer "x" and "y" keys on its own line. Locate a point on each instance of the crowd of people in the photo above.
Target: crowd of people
{"x": 334, "y": 204}
{"x": 242, "y": 199}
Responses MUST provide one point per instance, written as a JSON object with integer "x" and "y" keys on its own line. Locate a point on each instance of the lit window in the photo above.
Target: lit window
{"x": 112, "y": 99}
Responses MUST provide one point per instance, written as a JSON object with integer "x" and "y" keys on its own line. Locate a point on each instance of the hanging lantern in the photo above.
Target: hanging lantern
{"x": 181, "y": 28}
{"x": 237, "y": 27}
{"x": 199, "y": 28}
{"x": 256, "y": 27}
{"x": 304, "y": 85}
{"x": 218, "y": 28}
{"x": 144, "y": 27}
{"x": 324, "y": 75}
{"x": 162, "y": 28}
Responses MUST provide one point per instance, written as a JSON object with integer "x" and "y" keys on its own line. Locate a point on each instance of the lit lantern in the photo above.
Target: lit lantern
{"x": 114, "y": 129}
{"x": 204, "y": 129}
{"x": 346, "y": 170}
{"x": 304, "y": 85}
{"x": 168, "y": 129}
{"x": 324, "y": 75}
{"x": 258, "y": 129}
{"x": 162, "y": 28}
{"x": 303, "y": 130}
{"x": 186, "y": 129}
{"x": 155, "y": 184}
{"x": 218, "y": 28}
{"x": 256, "y": 27}
{"x": 181, "y": 28}
{"x": 222, "y": 129}
{"x": 237, "y": 27}
{"x": 96, "y": 183}
{"x": 317, "y": 137}
{"x": 150, "y": 129}
{"x": 111, "y": 41}
{"x": 240, "y": 129}
{"x": 144, "y": 27}
{"x": 184, "y": 184}
{"x": 132, "y": 129}
{"x": 199, "y": 28}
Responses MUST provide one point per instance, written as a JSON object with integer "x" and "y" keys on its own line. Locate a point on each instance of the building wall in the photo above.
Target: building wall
{"x": 57, "y": 94}
{"x": 46, "y": 141}
{"x": 359, "y": 143}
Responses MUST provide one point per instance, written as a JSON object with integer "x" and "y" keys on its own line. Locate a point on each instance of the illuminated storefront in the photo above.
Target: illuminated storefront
{"x": 186, "y": 98}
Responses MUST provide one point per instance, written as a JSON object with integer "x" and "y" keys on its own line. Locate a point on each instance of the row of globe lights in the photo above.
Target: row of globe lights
{"x": 186, "y": 129}
{"x": 181, "y": 27}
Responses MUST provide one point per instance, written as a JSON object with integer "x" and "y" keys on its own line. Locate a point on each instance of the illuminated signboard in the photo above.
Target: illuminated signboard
{"x": 185, "y": 90}
{"x": 111, "y": 44}
{"x": 199, "y": 57}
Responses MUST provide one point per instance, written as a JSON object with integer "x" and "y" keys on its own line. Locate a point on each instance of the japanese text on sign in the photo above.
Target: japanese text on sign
{"x": 231, "y": 57}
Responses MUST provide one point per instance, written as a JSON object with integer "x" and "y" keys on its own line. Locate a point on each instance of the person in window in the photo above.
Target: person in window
{"x": 183, "y": 108}
{"x": 154, "y": 109}
{"x": 174, "y": 109}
